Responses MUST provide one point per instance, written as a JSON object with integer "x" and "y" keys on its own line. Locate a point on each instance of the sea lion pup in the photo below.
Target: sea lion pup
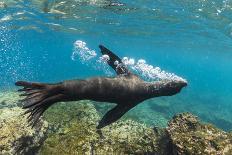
{"x": 126, "y": 90}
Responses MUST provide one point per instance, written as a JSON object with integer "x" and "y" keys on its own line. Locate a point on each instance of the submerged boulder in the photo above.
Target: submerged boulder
{"x": 78, "y": 133}
{"x": 75, "y": 133}
{"x": 16, "y": 137}
{"x": 72, "y": 130}
{"x": 189, "y": 136}
{"x": 9, "y": 99}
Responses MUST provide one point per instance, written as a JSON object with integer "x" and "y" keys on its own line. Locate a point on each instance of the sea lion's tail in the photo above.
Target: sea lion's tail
{"x": 38, "y": 97}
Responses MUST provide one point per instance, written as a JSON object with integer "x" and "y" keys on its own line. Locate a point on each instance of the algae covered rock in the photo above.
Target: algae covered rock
{"x": 144, "y": 114}
{"x": 141, "y": 113}
{"x": 9, "y": 99}
{"x": 63, "y": 114}
{"x": 72, "y": 130}
{"x": 189, "y": 136}
{"x": 78, "y": 133}
{"x": 16, "y": 137}
{"x": 75, "y": 133}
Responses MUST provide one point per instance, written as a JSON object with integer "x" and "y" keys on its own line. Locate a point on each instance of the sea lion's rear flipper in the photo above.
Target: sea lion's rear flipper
{"x": 115, "y": 62}
{"x": 38, "y": 98}
{"x": 114, "y": 114}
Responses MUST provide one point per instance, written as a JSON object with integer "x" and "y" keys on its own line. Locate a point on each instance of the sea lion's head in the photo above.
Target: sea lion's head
{"x": 174, "y": 86}
{"x": 166, "y": 87}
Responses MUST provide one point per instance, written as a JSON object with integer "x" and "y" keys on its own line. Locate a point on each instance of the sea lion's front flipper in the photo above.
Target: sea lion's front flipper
{"x": 114, "y": 61}
{"x": 114, "y": 114}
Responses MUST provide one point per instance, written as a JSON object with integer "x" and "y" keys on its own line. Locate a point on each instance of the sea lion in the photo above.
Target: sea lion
{"x": 126, "y": 90}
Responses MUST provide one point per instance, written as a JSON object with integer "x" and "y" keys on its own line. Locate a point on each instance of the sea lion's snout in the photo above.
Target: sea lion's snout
{"x": 180, "y": 84}
{"x": 183, "y": 83}
{"x": 175, "y": 86}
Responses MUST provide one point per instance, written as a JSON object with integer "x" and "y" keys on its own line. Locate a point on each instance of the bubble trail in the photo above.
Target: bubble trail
{"x": 141, "y": 67}
{"x": 82, "y": 51}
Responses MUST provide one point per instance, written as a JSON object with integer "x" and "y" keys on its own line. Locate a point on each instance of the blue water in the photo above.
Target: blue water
{"x": 192, "y": 39}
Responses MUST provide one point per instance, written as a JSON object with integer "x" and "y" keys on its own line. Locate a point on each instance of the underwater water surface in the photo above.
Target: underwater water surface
{"x": 190, "y": 38}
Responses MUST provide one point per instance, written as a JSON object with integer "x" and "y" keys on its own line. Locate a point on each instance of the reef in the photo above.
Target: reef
{"x": 78, "y": 133}
{"x": 9, "y": 99}
{"x": 144, "y": 114}
{"x": 70, "y": 128}
{"x": 185, "y": 134}
{"x": 189, "y": 136}
{"x": 167, "y": 107}
{"x": 16, "y": 137}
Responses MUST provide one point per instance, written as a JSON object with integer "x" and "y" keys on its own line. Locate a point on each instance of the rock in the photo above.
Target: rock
{"x": 9, "y": 99}
{"x": 141, "y": 113}
{"x": 72, "y": 130}
{"x": 144, "y": 114}
{"x": 78, "y": 133}
{"x": 15, "y": 135}
{"x": 189, "y": 136}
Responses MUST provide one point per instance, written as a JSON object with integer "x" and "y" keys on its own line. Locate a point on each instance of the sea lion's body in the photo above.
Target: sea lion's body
{"x": 126, "y": 90}
{"x": 117, "y": 90}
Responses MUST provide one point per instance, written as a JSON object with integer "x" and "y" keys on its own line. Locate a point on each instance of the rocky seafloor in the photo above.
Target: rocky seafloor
{"x": 70, "y": 128}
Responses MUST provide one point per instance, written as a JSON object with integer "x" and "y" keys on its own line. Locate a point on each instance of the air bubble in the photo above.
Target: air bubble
{"x": 140, "y": 67}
